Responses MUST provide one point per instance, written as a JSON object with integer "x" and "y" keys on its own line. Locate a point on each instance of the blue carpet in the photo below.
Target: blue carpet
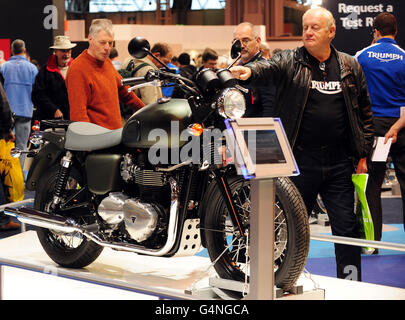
{"x": 386, "y": 268}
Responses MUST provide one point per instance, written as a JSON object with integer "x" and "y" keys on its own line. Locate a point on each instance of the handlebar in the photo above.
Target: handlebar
{"x": 155, "y": 78}
{"x": 132, "y": 81}
{"x": 154, "y": 83}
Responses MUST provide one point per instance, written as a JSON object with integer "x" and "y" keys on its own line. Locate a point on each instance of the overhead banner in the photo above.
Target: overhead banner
{"x": 354, "y": 21}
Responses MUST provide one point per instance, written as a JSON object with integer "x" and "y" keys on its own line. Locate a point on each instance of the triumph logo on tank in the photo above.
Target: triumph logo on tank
{"x": 385, "y": 57}
{"x": 327, "y": 87}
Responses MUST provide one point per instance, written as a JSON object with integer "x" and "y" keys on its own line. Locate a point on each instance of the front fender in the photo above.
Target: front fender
{"x": 46, "y": 157}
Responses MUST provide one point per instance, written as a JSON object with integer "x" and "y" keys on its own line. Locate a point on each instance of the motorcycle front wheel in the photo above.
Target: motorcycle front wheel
{"x": 70, "y": 250}
{"x": 228, "y": 250}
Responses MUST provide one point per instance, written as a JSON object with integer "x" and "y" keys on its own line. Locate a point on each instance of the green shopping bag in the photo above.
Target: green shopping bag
{"x": 363, "y": 210}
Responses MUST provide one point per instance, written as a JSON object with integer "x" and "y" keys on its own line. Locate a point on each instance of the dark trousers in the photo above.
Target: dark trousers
{"x": 328, "y": 171}
{"x": 377, "y": 170}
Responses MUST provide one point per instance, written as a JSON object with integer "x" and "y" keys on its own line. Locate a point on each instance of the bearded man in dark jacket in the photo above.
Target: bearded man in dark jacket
{"x": 49, "y": 93}
{"x": 259, "y": 100}
{"x": 323, "y": 102}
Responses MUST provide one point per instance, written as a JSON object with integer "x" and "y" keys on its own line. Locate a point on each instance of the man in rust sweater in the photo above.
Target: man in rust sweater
{"x": 94, "y": 85}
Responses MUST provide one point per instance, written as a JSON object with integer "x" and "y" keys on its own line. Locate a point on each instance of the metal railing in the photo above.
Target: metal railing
{"x": 359, "y": 242}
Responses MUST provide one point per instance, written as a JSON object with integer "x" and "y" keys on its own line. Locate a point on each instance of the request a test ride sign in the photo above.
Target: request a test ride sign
{"x": 354, "y": 21}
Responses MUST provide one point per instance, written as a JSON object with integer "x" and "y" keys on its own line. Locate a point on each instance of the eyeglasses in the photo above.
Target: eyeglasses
{"x": 244, "y": 41}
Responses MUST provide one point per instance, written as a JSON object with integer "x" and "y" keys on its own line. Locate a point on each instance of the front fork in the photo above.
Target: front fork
{"x": 226, "y": 192}
{"x": 63, "y": 176}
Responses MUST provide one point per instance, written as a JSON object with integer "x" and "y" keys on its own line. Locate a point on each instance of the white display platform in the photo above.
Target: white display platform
{"x": 140, "y": 276}
{"x": 123, "y": 275}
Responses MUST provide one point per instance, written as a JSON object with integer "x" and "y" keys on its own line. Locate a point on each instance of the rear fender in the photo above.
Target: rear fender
{"x": 42, "y": 161}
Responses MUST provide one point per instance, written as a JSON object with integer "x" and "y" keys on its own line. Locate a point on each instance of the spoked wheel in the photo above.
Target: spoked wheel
{"x": 230, "y": 251}
{"x": 71, "y": 250}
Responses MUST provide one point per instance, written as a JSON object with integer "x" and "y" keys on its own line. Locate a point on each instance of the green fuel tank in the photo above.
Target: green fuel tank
{"x": 159, "y": 124}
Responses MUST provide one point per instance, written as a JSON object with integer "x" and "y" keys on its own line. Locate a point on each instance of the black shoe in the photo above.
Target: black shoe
{"x": 10, "y": 226}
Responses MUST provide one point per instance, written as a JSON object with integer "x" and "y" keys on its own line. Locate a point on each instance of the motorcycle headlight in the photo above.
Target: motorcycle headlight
{"x": 231, "y": 104}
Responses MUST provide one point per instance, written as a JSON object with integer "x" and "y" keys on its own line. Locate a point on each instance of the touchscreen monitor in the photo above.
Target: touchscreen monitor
{"x": 260, "y": 148}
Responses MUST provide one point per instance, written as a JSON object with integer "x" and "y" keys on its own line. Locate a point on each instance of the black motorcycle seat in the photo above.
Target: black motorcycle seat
{"x": 85, "y": 136}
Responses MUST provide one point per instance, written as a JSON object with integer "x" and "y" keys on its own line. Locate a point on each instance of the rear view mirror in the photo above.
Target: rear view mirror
{"x": 236, "y": 49}
{"x": 138, "y": 47}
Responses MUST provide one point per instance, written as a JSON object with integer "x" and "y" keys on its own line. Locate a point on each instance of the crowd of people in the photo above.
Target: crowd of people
{"x": 332, "y": 105}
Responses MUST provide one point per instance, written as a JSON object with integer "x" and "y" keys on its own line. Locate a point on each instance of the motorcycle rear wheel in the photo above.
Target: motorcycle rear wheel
{"x": 71, "y": 250}
{"x": 292, "y": 235}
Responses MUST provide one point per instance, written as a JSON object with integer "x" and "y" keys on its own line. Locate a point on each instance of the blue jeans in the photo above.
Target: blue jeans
{"x": 328, "y": 171}
{"x": 22, "y": 130}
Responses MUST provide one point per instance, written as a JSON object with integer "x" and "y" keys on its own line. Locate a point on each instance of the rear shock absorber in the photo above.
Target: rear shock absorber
{"x": 63, "y": 175}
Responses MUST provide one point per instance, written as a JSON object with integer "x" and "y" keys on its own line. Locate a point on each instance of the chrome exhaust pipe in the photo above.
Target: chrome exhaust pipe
{"x": 66, "y": 225}
{"x": 41, "y": 219}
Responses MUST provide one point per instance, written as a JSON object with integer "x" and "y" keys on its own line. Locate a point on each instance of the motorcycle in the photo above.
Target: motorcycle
{"x": 128, "y": 190}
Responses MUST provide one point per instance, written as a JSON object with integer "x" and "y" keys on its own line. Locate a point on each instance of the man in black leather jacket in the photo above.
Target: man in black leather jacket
{"x": 323, "y": 102}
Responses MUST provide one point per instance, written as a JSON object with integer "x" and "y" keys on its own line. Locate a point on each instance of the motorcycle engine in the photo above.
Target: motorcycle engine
{"x": 143, "y": 212}
{"x": 140, "y": 218}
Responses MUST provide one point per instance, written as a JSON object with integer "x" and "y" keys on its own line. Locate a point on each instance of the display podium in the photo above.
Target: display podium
{"x": 262, "y": 153}
{"x": 261, "y": 280}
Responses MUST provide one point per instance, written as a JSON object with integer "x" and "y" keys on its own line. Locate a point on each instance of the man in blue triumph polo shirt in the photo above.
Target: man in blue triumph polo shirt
{"x": 384, "y": 66}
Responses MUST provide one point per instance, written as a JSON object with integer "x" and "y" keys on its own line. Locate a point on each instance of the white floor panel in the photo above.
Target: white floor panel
{"x": 123, "y": 268}
{"x": 21, "y": 284}
{"x": 338, "y": 289}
